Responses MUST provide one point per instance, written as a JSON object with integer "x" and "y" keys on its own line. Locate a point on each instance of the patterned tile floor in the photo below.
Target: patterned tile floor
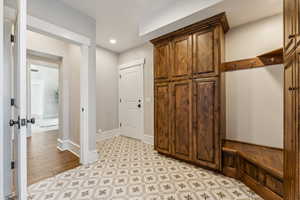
{"x": 131, "y": 170}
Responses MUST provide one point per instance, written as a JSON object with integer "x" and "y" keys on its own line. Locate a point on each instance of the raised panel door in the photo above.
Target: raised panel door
{"x": 182, "y": 119}
{"x": 206, "y": 53}
{"x": 206, "y": 135}
{"x": 162, "y": 117}
{"x": 181, "y": 57}
{"x": 162, "y": 61}
{"x": 289, "y": 129}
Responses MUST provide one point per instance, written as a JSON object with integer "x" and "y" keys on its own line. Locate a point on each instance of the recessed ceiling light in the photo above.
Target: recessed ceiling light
{"x": 113, "y": 41}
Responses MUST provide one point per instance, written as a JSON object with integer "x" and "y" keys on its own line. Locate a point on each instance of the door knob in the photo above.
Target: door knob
{"x": 31, "y": 121}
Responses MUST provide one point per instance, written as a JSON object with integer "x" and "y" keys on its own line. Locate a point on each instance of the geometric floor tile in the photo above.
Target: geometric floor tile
{"x": 128, "y": 169}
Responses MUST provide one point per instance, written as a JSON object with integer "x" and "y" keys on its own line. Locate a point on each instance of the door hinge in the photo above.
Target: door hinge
{"x": 12, "y": 38}
{"x": 12, "y": 165}
{"x": 120, "y": 100}
{"x": 120, "y": 76}
{"x": 12, "y": 101}
{"x": 120, "y": 124}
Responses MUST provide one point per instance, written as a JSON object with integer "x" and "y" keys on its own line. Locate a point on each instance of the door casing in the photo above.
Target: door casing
{"x": 137, "y": 63}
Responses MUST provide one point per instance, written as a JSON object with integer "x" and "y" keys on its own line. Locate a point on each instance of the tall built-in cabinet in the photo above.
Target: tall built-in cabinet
{"x": 189, "y": 92}
{"x": 291, "y": 99}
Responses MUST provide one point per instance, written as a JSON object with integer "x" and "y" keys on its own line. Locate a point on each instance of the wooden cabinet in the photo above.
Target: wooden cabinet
{"x": 206, "y": 50}
{"x": 290, "y": 25}
{"x": 162, "y": 61}
{"x": 291, "y": 100}
{"x": 206, "y": 137}
{"x": 187, "y": 92}
{"x": 182, "y": 119}
{"x": 181, "y": 57}
{"x": 162, "y": 118}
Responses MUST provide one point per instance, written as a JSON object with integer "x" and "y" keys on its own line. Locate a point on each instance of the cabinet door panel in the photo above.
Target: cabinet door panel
{"x": 182, "y": 57}
{"x": 181, "y": 108}
{"x": 289, "y": 139}
{"x": 290, "y": 18}
{"x": 162, "y": 117}
{"x": 206, "y": 139}
{"x": 205, "y": 58}
{"x": 162, "y": 61}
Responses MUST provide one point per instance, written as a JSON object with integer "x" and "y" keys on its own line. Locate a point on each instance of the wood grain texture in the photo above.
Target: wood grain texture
{"x": 206, "y": 53}
{"x": 182, "y": 119}
{"x": 206, "y": 135}
{"x": 181, "y": 57}
{"x": 162, "y": 117}
{"x": 290, "y": 25}
{"x": 270, "y": 58}
{"x": 162, "y": 61}
{"x": 217, "y": 20}
{"x": 259, "y": 167}
{"x": 44, "y": 159}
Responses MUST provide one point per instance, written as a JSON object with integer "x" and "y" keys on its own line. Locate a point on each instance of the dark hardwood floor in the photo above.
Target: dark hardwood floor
{"x": 44, "y": 159}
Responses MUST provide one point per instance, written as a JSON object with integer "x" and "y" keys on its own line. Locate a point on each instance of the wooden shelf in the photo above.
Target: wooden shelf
{"x": 270, "y": 58}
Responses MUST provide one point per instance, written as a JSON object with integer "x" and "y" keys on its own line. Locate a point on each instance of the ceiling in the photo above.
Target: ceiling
{"x": 134, "y": 22}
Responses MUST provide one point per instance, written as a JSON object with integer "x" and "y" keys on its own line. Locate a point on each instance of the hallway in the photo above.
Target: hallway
{"x": 44, "y": 159}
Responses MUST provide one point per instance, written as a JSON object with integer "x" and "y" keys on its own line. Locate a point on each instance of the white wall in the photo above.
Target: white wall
{"x": 254, "y": 97}
{"x": 107, "y": 90}
{"x": 145, "y": 51}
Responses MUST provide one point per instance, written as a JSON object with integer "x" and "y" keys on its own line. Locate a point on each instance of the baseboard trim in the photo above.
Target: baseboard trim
{"x": 68, "y": 145}
{"x": 93, "y": 156}
{"x": 104, "y": 135}
{"x": 148, "y": 139}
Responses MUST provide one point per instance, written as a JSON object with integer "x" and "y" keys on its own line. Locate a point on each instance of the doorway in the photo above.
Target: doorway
{"x": 20, "y": 120}
{"x": 131, "y": 94}
{"x": 43, "y": 95}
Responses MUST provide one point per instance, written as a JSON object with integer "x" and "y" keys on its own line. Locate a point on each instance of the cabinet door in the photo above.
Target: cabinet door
{"x": 181, "y": 57}
{"x": 162, "y": 61}
{"x": 206, "y": 53}
{"x": 289, "y": 172}
{"x": 162, "y": 117}
{"x": 290, "y": 25}
{"x": 206, "y": 135}
{"x": 182, "y": 119}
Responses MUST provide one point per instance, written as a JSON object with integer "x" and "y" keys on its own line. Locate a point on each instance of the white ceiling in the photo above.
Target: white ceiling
{"x": 133, "y": 22}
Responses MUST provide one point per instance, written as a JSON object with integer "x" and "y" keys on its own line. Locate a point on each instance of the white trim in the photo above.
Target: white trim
{"x": 93, "y": 156}
{"x": 104, "y": 135}
{"x": 84, "y": 105}
{"x": 68, "y": 145}
{"x": 44, "y": 27}
{"x": 47, "y": 28}
{"x": 21, "y": 74}
{"x": 1, "y": 100}
{"x": 133, "y": 63}
{"x": 148, "y": 139}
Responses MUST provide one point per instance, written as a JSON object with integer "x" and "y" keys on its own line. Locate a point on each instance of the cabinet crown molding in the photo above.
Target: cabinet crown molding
{"x": 219, "y": 19}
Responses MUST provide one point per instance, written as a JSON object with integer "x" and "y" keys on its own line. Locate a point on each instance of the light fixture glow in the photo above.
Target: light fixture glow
{"x": 113, "y": 41}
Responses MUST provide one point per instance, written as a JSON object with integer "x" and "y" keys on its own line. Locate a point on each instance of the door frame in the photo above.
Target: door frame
{"x": 1, "y": 100}
{"x": 87, "y": 105}
{"x": 136, "y": 63}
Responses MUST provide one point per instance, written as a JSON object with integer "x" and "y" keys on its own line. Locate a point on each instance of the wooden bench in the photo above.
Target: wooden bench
{"x": 259, "y": 167}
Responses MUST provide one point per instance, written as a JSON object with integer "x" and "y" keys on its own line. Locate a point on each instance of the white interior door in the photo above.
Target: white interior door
{"x": 20, "y": 107}
{"x": 131, "y": 101}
